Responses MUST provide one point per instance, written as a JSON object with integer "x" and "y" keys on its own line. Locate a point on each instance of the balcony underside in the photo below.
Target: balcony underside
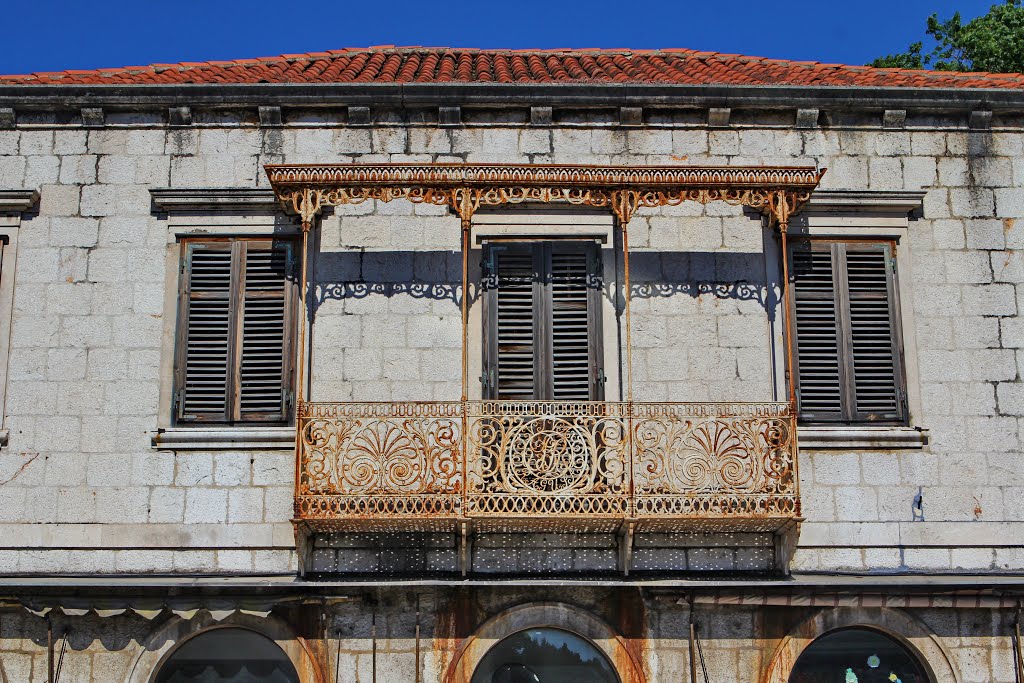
{"x": 545, "y": 466}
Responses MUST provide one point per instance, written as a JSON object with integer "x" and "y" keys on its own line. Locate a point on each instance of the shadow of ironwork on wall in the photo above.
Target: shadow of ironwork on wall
{"x": 436, "y": 276}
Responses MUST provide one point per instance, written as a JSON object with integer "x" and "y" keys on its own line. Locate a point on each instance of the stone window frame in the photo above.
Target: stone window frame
{"x": 14, "y": 204}
{"x": 902, "y": 627}
{"x": 211, "y": 212}
{"x": 557, "y": 615}
{"x": 866, "y": 215}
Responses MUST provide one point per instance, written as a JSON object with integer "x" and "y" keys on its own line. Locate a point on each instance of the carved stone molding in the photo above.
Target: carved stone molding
{"x": 17, "y": 201}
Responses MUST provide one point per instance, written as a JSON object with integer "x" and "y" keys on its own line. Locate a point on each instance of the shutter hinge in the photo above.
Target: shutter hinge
{"x": 601, "y": 378}
{"x": 179, "y": 402}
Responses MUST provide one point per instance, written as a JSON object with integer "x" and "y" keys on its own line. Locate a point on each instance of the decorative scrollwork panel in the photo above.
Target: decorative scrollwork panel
{"x": 714, "y": 460}
{"x": 547, "y": 458}
{"x": 382, "y": 458}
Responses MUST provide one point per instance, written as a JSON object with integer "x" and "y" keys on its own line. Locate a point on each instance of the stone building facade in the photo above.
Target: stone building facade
{"x": 130, "y": 528}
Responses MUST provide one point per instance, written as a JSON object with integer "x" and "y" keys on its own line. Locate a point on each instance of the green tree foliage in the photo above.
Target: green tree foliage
{"x": 993, "y": 42}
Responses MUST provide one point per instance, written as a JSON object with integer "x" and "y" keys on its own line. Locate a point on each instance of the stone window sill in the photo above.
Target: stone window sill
{"x": 220, "y": 438}
{"x": 862, "y": 437}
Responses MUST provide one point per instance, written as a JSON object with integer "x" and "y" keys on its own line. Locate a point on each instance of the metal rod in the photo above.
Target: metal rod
{"x": 787, "y": 318}
{"x": 417, "y": 638}
{"x": 629, "y": 325}
{"x": 300, "y": 390}
{"x": 465, "y": 307}
{"x": 373, "y": 636}
{"x": 786, "y": 314}
{"x": 49, "y": 650}
{"x": 629, "y": 367}
{"x": 1018, "y": 654}
{"x": 337, "y": 656}
{"x": 60, "y": 657}
{"x": 301, "y": 370}
{"x": 466, "y": 226}
{"x": 693, "y": 646}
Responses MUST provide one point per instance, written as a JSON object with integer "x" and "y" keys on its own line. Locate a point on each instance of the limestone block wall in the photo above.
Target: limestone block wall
{"x": 84, "y": 490}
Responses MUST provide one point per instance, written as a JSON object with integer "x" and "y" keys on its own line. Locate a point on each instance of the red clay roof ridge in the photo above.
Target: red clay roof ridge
{"x": 682, "y": 66}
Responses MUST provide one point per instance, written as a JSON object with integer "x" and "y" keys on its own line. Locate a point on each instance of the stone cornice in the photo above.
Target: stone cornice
{"x": 17, "y": 201}
{"x": 212, "y": 199}
{"x": 876, "y": 200}
{"x": 50, "y": 97}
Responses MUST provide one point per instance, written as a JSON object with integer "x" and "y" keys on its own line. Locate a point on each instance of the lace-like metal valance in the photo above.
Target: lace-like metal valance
{"x": 779, "y": 191}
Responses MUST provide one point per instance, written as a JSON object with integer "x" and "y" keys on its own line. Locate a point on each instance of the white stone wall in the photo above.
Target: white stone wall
{"x": 84, "y": 490}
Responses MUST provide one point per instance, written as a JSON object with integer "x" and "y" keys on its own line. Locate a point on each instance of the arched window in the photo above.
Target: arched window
{"x": 857, "y": 655}
{"x": 228, "y": 655}
{"x": 544, "y": 655}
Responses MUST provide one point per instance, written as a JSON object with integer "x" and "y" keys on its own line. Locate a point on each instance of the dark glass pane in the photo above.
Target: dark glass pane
{"x": 856, "y": 656}
{"x": 544, "y": 655}
{"x": 228, "y": 655}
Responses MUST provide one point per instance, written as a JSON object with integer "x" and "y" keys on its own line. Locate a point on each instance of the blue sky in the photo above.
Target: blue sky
{"x": 50, "y": 36}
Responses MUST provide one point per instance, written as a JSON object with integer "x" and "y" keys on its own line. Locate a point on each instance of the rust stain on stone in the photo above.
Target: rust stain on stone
{"x": 630, "y": 619}
{"x": 454, "y": 623}
{"x": 314, "y": 664}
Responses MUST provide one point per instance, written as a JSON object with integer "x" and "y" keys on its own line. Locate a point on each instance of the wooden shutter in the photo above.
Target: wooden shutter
{"x": 849, "y": 362}
{"x": 875, "y": 346}
{"x": 517, "y": 304}
{"x": 264, "y": 374}
{"x": 572, "y": 321}
{"x": 209, "y": 307}
{"x": 542, "y": 324}
{"x": 235, "y": 336}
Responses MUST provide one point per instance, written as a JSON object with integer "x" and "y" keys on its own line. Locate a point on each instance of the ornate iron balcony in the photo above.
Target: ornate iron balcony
{"x": 546, "y": 465}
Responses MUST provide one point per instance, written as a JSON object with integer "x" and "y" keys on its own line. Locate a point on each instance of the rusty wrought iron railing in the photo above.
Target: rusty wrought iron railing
{"x": 668, "y": 465}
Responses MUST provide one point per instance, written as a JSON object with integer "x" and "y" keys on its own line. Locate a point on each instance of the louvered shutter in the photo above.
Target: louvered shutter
{"x": 874, "y": 341}
{"x": 572, "y": 357}
{"x": 235, "y": 344}
{"x": 542, "y": 324}
{"x": 849, "y": 366}
{"x": 517, "y": 301}
{"x": 208, "y": 300}
{"x": 263, "y": 372}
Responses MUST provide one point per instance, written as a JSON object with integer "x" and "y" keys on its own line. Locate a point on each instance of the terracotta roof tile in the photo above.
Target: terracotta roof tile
{"x": 389, "y": 64}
